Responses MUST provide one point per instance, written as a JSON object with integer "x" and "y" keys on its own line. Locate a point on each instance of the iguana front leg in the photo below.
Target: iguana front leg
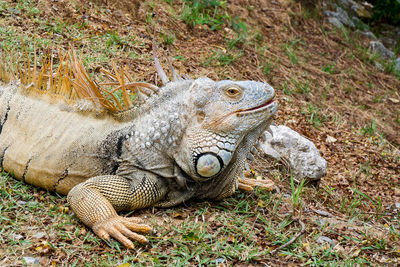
{"x": 97, "y": 200}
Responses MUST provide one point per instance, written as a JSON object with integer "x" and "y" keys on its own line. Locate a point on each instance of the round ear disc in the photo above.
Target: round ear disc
{"x": 208, "y": 165}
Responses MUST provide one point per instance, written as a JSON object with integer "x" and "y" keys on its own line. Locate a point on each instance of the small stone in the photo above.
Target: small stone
{"x": 341, "y": 16}
{"x": 335, "y": 22}
{"x": 397, "y": 64}
{"x": 324, "y": 239}
{"x": 397, "y": 205}
{"x": 361, "y": 11}
{"x": 219, "y": 260}
{"x": 39, "y": 235}
{"x": 30, "y": 260}
{"x": 368, "y": 34}
{"x": 397, "y": 191}
{"x": 323, "y": 213}
{"x": 378, "y": 48}
{"x": 379, "y": 66}
{"x": 330, "y": 139}
{"x": 344, "y": 3}
{"x": 17, "y": 236}
{"x": 339, "y": 249}
{"x": 394, "y": 100}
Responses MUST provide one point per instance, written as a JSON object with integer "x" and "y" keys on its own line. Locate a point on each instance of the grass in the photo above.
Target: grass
{"x": 209, "y": 12}
{"x": 200, "y": 234}
{"x": 221, "y": 58}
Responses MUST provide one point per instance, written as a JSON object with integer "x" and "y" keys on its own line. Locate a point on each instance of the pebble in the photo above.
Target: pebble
{"x": 324, "y": 239}
{"x": 39, "y": 235}
{"x": 31, "y": 260}
{"x": 330, "y": 139}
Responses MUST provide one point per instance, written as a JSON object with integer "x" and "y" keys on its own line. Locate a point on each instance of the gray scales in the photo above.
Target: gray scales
{"x": 189, "y": 140}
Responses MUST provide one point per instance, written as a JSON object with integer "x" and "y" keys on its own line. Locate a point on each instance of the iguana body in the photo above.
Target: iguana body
{"x": 188, "y": 141}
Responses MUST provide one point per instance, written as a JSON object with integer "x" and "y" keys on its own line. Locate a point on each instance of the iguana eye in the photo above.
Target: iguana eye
{"x": 233, "y": 92}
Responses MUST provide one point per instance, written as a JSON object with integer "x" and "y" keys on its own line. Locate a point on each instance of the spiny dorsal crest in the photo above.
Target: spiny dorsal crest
{"x": 69, "y": 81}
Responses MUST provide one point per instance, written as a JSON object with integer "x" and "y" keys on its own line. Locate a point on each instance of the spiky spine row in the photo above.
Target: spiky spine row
{"x": 72, "y": 82}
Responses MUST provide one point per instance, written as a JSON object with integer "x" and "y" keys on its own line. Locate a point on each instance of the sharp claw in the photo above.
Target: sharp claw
{"x": 122, "y": 229}
{"x": 102, "y": 234}
{"x": 246, "y": 167}
{"x": 254, "y": 151}
{"x": 245, "y": 187}
{"x": 250, "y": 157}
{"x": 263, "y": 137}
{"x": 270, "y": 131}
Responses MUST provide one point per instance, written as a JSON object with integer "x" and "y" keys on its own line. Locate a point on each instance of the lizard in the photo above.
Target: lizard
{"x": 188, "y": 139}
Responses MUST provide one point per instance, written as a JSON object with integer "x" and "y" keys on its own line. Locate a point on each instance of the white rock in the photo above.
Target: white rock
{"x": 378, "y": 48}
{"x": 31, "y": 260}
{"x": 397, "y": 64}
{"x": 330, "y": 139}
{"x": 301, "y": 154}
{"x": 368, "y": 34}
{"x": 17, "y": 236}
{"x": 324, "y": 239}
{"x": 341, "y": 15}
{"x": 335, "y": 22}
{"x": 39, "y": 235}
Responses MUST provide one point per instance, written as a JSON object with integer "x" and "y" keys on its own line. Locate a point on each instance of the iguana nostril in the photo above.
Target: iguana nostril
{"x": 208, "y": 165}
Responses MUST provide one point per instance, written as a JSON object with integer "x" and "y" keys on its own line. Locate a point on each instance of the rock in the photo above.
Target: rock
{"x": 345, "y": 3}
{"x": 397, "y": 192}
{"x": 361, "y": 11}
{"x": 322, "y": 213}
{"x": 300, "y": 153}
{"x": 17, "y": 236}
{"x": 335, "y": 22}
{"x": 324, "y": 239}
{"x": 31, "y": 260}
{"x": 340, "y": 15}
{"x": 397, "y": 64}
{"x": 330, "y": 139}
{"x": 378, "y": 48}
{"x": 368, "y": 34}
{"x": 39, "y": 235}
{"x": 379, "y": 66}
{"x": 219, "y": 260}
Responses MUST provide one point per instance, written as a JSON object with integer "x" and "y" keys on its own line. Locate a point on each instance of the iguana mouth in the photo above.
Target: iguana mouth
{"x": 256, "y": 108}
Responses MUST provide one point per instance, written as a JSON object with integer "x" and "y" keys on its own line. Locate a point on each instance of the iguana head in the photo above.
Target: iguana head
{"x": 222, "y": 114}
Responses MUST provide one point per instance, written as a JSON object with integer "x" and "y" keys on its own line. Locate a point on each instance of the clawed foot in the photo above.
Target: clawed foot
{"x": 122, "y": 229}
{"x": 248, "y": 184}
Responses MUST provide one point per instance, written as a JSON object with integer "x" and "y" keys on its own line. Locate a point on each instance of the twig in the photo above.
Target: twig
{"x": 303, "y": 228}
{"x": 379, "y": 214}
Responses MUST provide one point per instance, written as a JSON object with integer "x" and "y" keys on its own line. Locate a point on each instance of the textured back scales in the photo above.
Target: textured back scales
{"x": 63, "y": 77}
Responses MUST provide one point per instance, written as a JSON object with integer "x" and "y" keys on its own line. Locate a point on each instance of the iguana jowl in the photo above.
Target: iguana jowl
{"x": 190, "y": 140}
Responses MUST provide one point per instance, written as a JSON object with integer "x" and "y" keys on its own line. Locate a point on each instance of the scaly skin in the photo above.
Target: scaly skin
{"x": 190, "y": 140}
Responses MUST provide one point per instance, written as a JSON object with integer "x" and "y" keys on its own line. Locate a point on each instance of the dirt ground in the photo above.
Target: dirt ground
{"x": 327, "y": 85}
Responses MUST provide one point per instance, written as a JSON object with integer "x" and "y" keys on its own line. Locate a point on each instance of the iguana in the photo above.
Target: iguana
{"x": 64, "y": 132}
